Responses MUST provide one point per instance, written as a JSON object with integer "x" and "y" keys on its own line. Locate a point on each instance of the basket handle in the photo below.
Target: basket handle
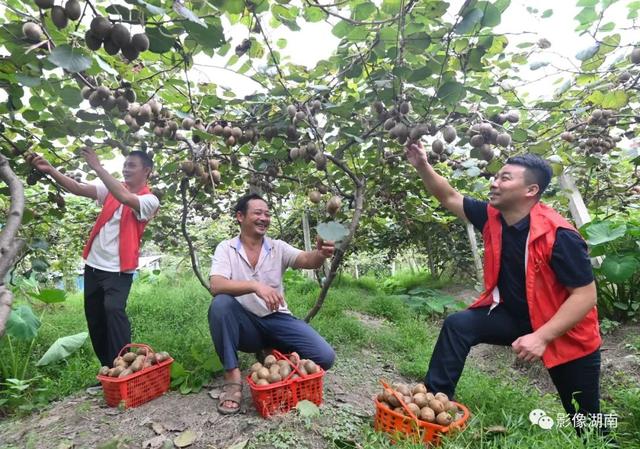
{"x": 281, "y": 356}
{"x": 399, "y": 398}
{"x": 136, "y": 345}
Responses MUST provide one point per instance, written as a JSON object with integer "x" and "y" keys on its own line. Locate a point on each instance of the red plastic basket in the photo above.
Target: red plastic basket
{"x": 400, "y": 426}
{"x": 282, "y": 396}
{"x": 139, "y": 387}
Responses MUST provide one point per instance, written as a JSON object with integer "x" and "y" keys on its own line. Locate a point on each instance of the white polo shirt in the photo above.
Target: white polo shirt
{"x": 231, "y": 262}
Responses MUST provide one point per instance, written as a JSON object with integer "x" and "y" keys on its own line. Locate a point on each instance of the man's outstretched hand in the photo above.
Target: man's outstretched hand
{"x": 91, "y": 157}
{"x": 39, "y": 163}
{"x": 325, "y": 247}
{"x": 416, "y": 155}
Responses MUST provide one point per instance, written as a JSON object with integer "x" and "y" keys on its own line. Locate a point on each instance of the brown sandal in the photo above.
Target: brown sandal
{"x": 230, "y": 394}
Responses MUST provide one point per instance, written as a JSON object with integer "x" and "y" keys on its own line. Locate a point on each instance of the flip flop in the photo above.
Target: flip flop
{"x": 230, "y": 395}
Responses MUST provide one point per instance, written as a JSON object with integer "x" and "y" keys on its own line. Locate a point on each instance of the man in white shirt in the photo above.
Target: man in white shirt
{"x": 111, "y": 254}
{"x": 248, "y": 312}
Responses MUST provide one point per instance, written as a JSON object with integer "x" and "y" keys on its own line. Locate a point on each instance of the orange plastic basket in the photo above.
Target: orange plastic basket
{"x": 282, "y": 396}
{"x": 400, "y": 426}
{"x": 139, "y": 387}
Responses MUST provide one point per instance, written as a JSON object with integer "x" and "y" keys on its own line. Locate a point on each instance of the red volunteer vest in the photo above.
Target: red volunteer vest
{"x": 131, "y": 231}
{"x": 544, "y": 293}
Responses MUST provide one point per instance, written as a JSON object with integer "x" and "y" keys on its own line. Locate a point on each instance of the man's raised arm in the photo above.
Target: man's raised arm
{"x": 70, "y": 185}
{"x": 436, "y": 185}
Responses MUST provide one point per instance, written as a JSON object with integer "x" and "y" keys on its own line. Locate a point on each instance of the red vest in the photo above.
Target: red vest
{"x": 131, "y": 231}
{"x": 544, "y": 293}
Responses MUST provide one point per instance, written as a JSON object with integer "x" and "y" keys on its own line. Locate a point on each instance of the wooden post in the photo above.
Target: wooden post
{"x": 307, "y": 240}
{"x": 579, "y": 211}
{"x": 477, "y": 261}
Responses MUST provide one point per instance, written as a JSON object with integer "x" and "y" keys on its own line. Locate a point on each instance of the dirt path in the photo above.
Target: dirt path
{"x": 85, "y": 422}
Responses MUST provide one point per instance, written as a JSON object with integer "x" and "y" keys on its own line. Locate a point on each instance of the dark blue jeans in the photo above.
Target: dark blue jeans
{"x": 234, "y": 329}
{"x": 579, "y": 379}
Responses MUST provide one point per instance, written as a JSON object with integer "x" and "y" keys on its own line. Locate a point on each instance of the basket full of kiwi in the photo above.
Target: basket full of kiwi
{"x": 283, "y": 380}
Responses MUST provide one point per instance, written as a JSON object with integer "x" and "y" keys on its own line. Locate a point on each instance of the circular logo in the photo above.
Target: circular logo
{"x": 535, "y": 415}
{"x": 546, "y": 422}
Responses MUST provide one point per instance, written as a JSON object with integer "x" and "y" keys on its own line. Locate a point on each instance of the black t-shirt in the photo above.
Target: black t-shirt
{"x": 569, "y": 257}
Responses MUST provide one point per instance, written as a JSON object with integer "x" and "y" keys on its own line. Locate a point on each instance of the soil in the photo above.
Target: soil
{"x": 83, "y": 421}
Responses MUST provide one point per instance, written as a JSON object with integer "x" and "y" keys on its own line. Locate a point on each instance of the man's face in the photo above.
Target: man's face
{"x": 509, "y": 187}
{"x": 257, "y": 218}
{"x": 134, "y": 172}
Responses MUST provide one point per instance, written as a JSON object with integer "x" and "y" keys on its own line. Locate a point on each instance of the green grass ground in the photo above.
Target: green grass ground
{"x": 169, "y": 312}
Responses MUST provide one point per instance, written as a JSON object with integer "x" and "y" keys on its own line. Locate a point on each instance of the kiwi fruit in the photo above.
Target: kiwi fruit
{"x": 444, "y": 419}
{"x": 100, "y": 27}
{"x": 635, "y": 55}
{"x": 103, "y": 371}
{"x": 93, "y": 42}
{"x": 414, "y": 409}
{"x": 142, "y": 351}
{"x": 140, "y": 42}
{"x": 73, "y": 10}
{"x": 274, "y": 378}
{"x": 262, "y": 382}
{"x": 215, "y": 174}
{"x": 427, "y": 414}
{"x": 418, "y": 131}
{"x": 269, "y": 360}
{"x": 130, "y": 52}
{"x": 130, "y": 95}
{"x": 624, "y": 77}
{"x": 311, "y": 367}
{"x": 321, "y": 161}
{"x": 254, "y": 377}
{"x": 333, "y": 205}
{"x": 285, "y": 370}
{"x": 389, "y": 124}
{"x": 436, "y": 405}
{"x": 503, "y": 139}
{"x": 44, "y": 4}
{"x": 291, "y": 110}
{"x": 300, "y": 116}
{"x": 263, "y": 373}
{"x": 231, "y": 141}
{"x": 110, "y": 47}
{"x": 116, "y": 370}
{"x": 187, "y": 123}
{"x": 214, "y": 164}
{"x": 236, "y": 132}
{"x": 120, "y": 35}
{"x": 486, "y": 152}
{"x": 95, "y": 100}
{"x": 477, "y": 141}
{"x": 32, "y": 32}
{"x": 122, "y": 103}
{"x": 58, "y": 17}
{"x": 126, "y": 372}
{"x": 421, "y": 399}
{"x": 419, "y": 388}
{"x": 103, "y": 92}
{"x": 449, "y": 134}
{"x": 109, "y": 103}
{"x": 156, "y": 107}
{"x": 514, "y": 117}
{"x": 315, "y": 196}
{"x": 294, "y": 153}
{"x": 145, "y": 112}
{"x": 437, "y": 146}
{"x": 405, "y": 107}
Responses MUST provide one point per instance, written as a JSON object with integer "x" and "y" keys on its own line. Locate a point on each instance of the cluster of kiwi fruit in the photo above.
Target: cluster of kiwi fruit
{"x": 592, "y": 136}
{"x": 232, "y": 134}
{"x": 426, "y": 406}
{"x": 309, "y": 152}
{"x": 132, "y": 362}
{"x": 60, "y": 16}
{"x": 315, "y": 195}
{"x": 203, "y": 172}
{"x": 634, "y": 56}
{"x": 273, "y": 370}
{"x": 483, "y": 135}
{"x": 115, "y": 38}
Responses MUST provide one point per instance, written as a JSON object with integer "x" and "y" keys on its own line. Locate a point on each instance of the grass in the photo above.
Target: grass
{"x": 169, "y": 312}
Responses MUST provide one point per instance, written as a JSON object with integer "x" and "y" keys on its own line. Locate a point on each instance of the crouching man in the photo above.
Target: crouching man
{"x": 249, "y": 312}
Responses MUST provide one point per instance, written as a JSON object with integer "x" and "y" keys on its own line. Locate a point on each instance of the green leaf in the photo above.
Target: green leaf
{"x": 363, "y": 11}
{"x": 69, "y": 58}
{"x": 104, "y": 66}
{"x": 490, "y": 14}
{"x": 22, "y": 323}
{"x": 160, "y": 41}
{"x": 615, "y": 99}
{"x": 332, "y": 231}
{"x": 307, "y": 409}
{"x": 588, "y": 52}
{"x": 451, "y": 92}
{"x": 71, "y": 96}
{"x": 50, "y": 295}
{"x": 619, "y": 268}
{"x": 312, "y": 14}
{"x": 28, "y": 81}
{"x": 188, "y": 14}
{"x": 154, "y": 10}
{"x": 63, "y": 348}
{"x": 601, "y": 232}
{"x": 547, "y": 13}
{"x": 470, "y": 20}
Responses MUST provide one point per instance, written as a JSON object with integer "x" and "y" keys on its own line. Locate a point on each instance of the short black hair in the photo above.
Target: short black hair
{"x": 243, "y": 203}
{"x": 147, "y": 162}
{"x": 537, "y": 170}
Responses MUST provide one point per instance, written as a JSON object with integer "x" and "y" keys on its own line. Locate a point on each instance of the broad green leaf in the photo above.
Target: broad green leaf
{"x": 307, "y": 409}
{"x": 615, "y": 99}
{"x": 69, "y": 58}
{"x": 62, "y": 348}
{"x": 470, "y": 20}
{"x": 490, "y": 14}
{"x": 332, "y": 231}
{"x": 104, "y": 66}
{"x": 313, "y": 14}
{"x": 588, "y": 52}
{"x": 547, "y": 13}
{"x": 50, "y": 295}
{"x": 160, "y": 41}
{"x": 363, "y": 11}
{"x": 452, "y": 92}
{"x": 188, "y": 14}
{"x": 601, "y": 232}
{"x": 29, "y": 81}
{"x": 154, "y": 10}
{"x": 619, "y": 268}
{"x": 22, "y": 323}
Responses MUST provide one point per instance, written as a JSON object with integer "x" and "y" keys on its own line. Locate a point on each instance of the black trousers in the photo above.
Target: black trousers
{"x": 578, "y": 379}
{"x": 105, "y": 302}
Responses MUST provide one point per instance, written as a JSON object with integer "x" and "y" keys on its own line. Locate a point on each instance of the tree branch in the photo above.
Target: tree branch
{"x": 184, "y": 184}
{"x": 10, "y": 245}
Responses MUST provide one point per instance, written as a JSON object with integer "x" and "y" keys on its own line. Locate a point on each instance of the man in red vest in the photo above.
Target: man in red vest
{"x": 540, "y": 294}
{"x": 111, "y": 253}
